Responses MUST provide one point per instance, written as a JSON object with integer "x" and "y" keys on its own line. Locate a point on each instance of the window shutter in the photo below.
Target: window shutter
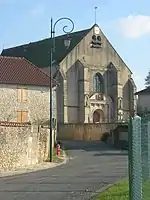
{"x": 24, "y": 116}
{"x": 19, "y": 118}
{"x": 22, "y": 95}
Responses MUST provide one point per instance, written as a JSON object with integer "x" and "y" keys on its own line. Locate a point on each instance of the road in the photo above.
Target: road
{"x": 93, "y": 166}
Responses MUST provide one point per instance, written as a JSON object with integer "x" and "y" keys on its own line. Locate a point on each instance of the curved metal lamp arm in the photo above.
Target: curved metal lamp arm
{"x": 64, "y": 28}
{"x": 52, "y": 39}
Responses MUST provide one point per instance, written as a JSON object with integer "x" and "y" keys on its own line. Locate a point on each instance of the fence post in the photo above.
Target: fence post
{"x": 130, "y": 157}
{"x": 146, "y": 147}
{"x": 136, "y": 168}
{"x": 148, "y": 150}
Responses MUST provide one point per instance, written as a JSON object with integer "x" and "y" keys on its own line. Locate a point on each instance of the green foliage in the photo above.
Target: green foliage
{"x": 120, "y": 191}
{"x": 147, "y": 80}
{"x": 105, "y": 137}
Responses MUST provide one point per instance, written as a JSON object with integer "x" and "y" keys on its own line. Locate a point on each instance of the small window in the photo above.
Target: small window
{"x": 99, "y": 38}
{"x": 120, "y": 116}
{"x": 22, "y": 95}
{"x": 22, "y": 116}
{"x": 120, "y": 103}
{"x": 93, "y": 37}
{"x": 99, "y": 97}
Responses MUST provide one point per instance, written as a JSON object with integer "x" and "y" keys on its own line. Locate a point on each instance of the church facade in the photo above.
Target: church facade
{"x": 95, "y": 85}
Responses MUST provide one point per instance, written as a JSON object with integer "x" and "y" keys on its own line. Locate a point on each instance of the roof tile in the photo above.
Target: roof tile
{"x": 17, "y": 70}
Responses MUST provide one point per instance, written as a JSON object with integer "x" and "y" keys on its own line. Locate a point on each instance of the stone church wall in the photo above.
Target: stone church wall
{"x": 92, "y": 61}
{"x": 84, "y": 131}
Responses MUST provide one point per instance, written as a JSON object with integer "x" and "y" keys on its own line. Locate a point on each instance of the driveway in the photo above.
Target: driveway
{"x": 94, "y": 165}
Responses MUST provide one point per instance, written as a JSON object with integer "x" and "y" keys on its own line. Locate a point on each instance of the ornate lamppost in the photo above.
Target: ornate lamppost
{"x": 52, "y": 50}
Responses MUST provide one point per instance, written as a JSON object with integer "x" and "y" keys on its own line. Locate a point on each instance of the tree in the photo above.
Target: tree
{"x": 147, "y": 80}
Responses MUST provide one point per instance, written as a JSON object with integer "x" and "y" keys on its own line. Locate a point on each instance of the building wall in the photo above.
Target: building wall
{"x": 60, "y": 98}
{"x": 36, "y": 104}
{"x": 81, "y": 96}
{"x": 143, "y": 102}
{"x": 77, "y": 84}
{"x": 54, "y": 102}
{"x": 84, "y": 131}
{"x": 22, "y": 145}
{"x": 98, "y": 60}
{"x": 73, "y": 91}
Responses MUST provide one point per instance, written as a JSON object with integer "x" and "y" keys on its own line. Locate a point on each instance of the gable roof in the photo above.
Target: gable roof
{"x": 16, "y": 70}
{"x": 144, "y": 91}
{"x": 39, "y": 52}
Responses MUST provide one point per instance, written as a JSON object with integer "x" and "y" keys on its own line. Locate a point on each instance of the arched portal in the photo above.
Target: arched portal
{"x": 98, "y": 116}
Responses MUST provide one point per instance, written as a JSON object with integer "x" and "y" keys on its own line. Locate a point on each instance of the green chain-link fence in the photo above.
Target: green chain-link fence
{"x": 139, "y": 158}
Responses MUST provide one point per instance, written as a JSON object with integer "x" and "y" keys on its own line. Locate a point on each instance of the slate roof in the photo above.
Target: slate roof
{"x": 144, "y": 91}
{"x": 39, "y": 52}
{"x": 16, "y": 70}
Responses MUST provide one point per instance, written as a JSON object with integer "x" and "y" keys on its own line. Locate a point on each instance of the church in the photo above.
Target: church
{"x": 95, "y": 84}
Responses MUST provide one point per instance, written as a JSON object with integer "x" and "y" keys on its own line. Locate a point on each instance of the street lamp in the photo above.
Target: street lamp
{"x": 52, "y": 50}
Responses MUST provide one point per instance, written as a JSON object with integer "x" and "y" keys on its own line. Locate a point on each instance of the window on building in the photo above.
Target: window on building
{"x": 120, "y": 116}
{"x": 98, "y": 83}
{"x": 22, "y": 116}
{"x": 22, "y": 95}
{"x": 120, "y": 103}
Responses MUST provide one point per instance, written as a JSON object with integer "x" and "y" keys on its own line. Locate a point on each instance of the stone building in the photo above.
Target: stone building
{"x": 143, "y": 105}
{"x": 24, "y": 91}
{"x": 95, "y": 83}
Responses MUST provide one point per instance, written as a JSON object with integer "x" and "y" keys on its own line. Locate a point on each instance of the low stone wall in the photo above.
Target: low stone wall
{"x": 22, "y": 145}
{"x": 84, "y": 131}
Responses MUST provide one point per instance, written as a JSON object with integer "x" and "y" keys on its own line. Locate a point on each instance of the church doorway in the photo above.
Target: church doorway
{"x": 98, "y": 116}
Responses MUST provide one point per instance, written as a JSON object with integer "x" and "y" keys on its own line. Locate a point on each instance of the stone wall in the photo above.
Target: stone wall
{"x": 84, "y": 131}
{"x": 37, "y": 103}
{"x": 22, "y": 145}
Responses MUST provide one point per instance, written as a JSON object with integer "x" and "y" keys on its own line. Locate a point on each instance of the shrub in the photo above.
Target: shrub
{"x": 105, "y": 137}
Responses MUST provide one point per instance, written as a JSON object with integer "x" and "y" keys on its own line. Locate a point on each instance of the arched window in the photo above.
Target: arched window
{"x": 98, "y": 83}
{"x": 111, "y": 75}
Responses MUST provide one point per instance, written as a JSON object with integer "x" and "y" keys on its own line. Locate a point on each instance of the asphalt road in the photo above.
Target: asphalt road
{"x": 94, "y": 165}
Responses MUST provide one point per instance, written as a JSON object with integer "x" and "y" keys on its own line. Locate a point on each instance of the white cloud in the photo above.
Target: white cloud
{"x": 135, "y": 26}
{"x": 37, "y": 11}
{"x": 136, "y": 76}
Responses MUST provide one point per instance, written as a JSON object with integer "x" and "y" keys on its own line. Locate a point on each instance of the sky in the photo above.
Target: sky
{"x": 125, "y": 23}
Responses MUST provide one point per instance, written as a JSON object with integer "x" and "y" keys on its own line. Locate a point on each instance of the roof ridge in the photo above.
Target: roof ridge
{"x": 23, "y": 45}
{"x": 14, "y": 57}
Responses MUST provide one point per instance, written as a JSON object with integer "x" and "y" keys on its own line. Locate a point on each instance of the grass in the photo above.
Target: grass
{"x": 120, "y": 190}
